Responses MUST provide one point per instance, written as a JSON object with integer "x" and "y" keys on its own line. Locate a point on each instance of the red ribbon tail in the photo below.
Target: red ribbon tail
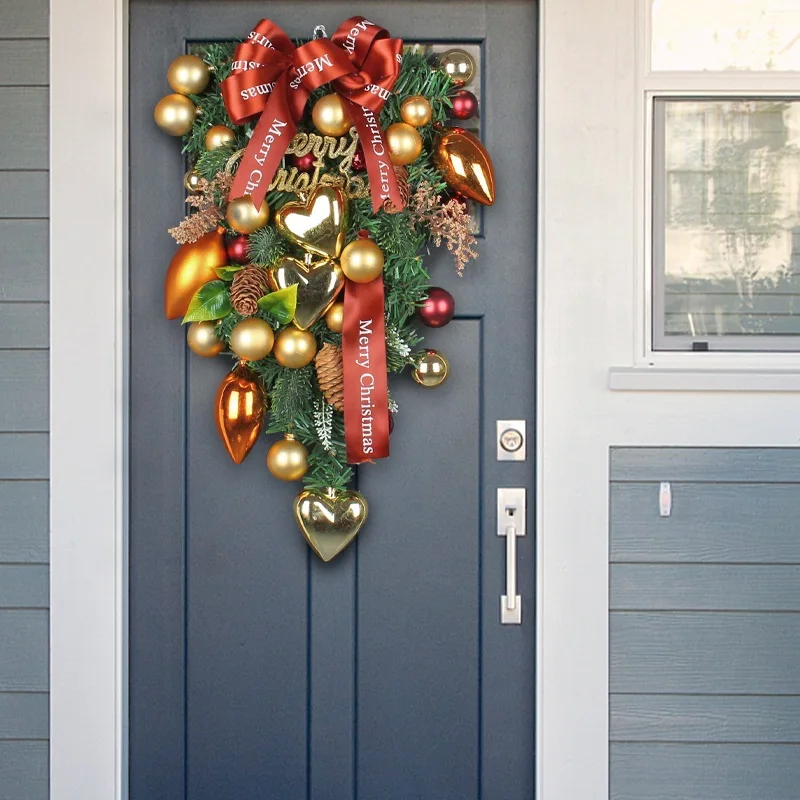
{"x": 366, "y": 390}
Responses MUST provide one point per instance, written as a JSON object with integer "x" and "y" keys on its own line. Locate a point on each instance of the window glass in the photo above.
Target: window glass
{"x": 726, "y": 223}
{"x": 725, "y": 35}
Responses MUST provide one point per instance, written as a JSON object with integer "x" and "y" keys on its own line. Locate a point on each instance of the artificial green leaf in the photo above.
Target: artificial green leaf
{"x": 281, "y": 304}
{"x": 227, "y": 273}
{"x": 211, "y": 301}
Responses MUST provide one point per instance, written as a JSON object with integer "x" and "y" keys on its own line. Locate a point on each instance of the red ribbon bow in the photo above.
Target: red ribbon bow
{"x": 272, "y": 79}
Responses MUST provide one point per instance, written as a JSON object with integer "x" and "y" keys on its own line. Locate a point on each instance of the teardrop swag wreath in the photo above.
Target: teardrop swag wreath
{"x": 341, "y": 143}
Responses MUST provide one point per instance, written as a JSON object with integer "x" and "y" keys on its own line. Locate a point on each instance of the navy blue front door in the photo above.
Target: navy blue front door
{"x": 257, "y": 671}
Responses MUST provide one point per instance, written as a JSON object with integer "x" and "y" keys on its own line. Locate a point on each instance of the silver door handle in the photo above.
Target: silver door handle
{"x": 511, "y": 524}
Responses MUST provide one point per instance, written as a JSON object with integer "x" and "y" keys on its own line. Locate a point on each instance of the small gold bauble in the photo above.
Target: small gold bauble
{"x": 404, "y": 142}
{"x": 191, "y": 181}
{"x": 287, "y": 459}
{"x": 334, "y": 319}
{"x": 416, "y": 111}
{"x": 218, "y": 136}
{"x": 202, "y": 339}
{"x": 252, "y": 339}
{"x": 361, "y": 261}
{"x": 188, "y": 75}
{"x": 431, "y": 370}
{"x": 295, "y": 348}
{"x": 175, "y": 114}
{"x": 243, "y": 217}
{"x": 330, "y": 116}
{"x": 459, "y": 65}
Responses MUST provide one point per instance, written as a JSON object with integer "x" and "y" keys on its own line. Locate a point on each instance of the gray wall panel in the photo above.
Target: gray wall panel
{"x": 24, "y": 326}
{"x": 24, "y": 586}
{"x": 703, "y": 718}
{"x": 23, "y": 656}
{"x": 24, "y": 715}
{"x": 24, "y": 522}
{"x": 23, "y": 770}
{"x": 24, "y": 109}
{"x": 24, "y": 195}
{"x": 23, "y": 62}
{"x": 705, "y": 772}
{"x": 24, "y": 455}
{"x": 24, "y": 18}
{"x": 23, "y": 259}
{"x": 24, "y": 402}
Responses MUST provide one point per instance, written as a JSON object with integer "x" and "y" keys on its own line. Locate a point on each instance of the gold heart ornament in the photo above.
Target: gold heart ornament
{"x": 330, "y": 521}
{"x": 317, "y": 225}
{"x": 317, "y": 287}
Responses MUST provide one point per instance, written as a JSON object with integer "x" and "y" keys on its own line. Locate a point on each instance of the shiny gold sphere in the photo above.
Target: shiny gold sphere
{"x": 218, "y": 136}
{"x": 416, "y": 111}
{"x": 334, "y": 318}
{"x": 243, "y": 217}
{"x": 431, "y": 370}
{"x": 188, "y": 75}
{"x": 459, "y": 65}
{"x": 361, "y": 261}
{"x": 404, "y": 141}
{"x": 191, "y": 181}
{"x": 175, "y": 114}
{"x": 252, "y": 339}
{"x": 330, "y": 116}
{"x": 287, "y": 459}
{"x": 295, "y": 348}
{"x": 202, "y": 339}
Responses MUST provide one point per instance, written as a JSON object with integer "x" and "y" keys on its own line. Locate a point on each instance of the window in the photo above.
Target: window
{"x": 725, "y": 159}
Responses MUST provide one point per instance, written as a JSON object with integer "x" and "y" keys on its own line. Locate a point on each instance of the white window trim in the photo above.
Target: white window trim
{"x": 88, "y": 400}
{"x": 651, "y": 369}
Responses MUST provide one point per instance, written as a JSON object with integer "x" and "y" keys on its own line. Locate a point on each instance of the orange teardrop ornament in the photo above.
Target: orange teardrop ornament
{"x": 466, "y": 165}
{"x": 240, "y": 408}
{"x": 190, "y": 268}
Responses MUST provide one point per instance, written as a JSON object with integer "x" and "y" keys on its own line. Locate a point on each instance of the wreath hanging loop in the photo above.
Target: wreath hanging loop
{"x": 320, "y": 32}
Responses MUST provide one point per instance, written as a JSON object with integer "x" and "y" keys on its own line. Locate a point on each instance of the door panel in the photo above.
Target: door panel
{"x": 257, "y": 670}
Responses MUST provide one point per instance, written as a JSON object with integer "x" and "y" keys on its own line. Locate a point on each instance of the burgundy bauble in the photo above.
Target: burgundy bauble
{"x": 359, "y": 161}
{"x": 303, "y": 163}
{"x": 465, "y": 105}
{"x": 237, "y": 249}
{"x": 438, "y": 308}
{"x": 391, "y": 422}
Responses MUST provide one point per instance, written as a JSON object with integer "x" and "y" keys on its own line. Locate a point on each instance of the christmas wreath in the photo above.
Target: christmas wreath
{"x": 319, "y": 171}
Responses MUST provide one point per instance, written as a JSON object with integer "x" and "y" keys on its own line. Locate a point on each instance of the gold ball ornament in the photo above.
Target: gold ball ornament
{"x": 188, "y": 74}
{"x": 295, "y": 348}
{"x": 175, "y": 114}
{"x": 252, "y": 339}
{"x": 334, "y": 319}
{"x": 458, "y": 65}
{"x": 243, "y": 216}
{"x": 287, "y": 459}
{"x": 404, "y": 142}
{"x": 218, "y": 136}
{"x": 191, "y": 181}
{"x": 330, "y": 116}
{"x": 361, "y": 261}
{"x": 202, "y": 339}
{"x": 431, "y": 370}
{"x": 416, "y": 111}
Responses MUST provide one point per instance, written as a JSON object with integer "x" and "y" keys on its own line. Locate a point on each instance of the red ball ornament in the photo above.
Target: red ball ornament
{"x": 359, "y": 161}
{"x": 237, "y": 249}
{"x": 438, "y": 308}
{"x": 303, "y": 163}
{"x": 465, "y": 105}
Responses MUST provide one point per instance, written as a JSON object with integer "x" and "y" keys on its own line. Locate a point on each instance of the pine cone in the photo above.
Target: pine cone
{"x": 401, "y": 173}
{"x": 249, "y": 286}
{"x": 330, "y": 374}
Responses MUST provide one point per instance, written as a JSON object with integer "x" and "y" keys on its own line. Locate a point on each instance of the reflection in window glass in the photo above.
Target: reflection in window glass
{"x": 726, "y": 35}
{"x": 726, "y": 227}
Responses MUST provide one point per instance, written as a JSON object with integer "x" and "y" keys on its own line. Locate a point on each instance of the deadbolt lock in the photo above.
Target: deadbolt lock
{"x": 511, "y": 445}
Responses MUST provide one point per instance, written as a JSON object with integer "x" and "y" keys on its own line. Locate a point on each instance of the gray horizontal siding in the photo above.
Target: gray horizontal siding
{"x": 24, "y": 368}
{"x": 705, "y": 624}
